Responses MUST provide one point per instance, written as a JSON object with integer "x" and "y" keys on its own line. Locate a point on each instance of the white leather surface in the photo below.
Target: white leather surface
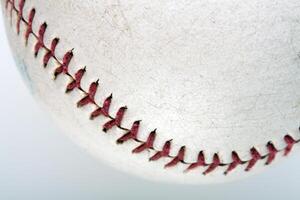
{"x": 214, "y": 76}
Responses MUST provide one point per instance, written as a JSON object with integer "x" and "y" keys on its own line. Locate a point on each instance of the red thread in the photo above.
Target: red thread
{"x": 12, "y": 7}
{"x": 89, "y": 98}
{"x": 76, "y": 83}
{"x": 29, "y": 25}
{"x": 146, "y": 145}
{"x": 290, "y": 143}
{"x": 216, "y": 162}
{"x": 272, "y": 153}
{"x": 63, "y": 68}
{"x": 104, "y": 110}
{"x": 163, "y": 153}
{"x": 200, "y": 162}
{"x": 50, "y": 52}
{"x": 235, "y": 162}
{"x": 40, "y": 41}
{"x": 177, "y": 159}
{"x": 20, "y": 14}
{"x": 115, "y": 121}
{"x": 132, "y": 134}
{"x": 255, "y": 157}
{"x": 6, "y": 4}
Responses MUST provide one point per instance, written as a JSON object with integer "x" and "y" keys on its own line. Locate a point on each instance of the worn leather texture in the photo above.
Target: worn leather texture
{"x": 217, "y": 76}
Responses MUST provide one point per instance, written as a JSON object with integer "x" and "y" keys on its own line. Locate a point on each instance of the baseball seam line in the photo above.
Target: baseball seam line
{"x": 131, "y": 133}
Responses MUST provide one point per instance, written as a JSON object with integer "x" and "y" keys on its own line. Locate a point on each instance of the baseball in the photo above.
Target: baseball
{"x": 177, "y": 91}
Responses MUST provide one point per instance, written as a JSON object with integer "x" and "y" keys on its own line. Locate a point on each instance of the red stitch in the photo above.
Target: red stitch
{"x": 40, "y": 42}
{"x": 6, "y": 4}
{"x": 235, "y": 162}
{"x": 132, "y": 134}
{"x": 76, "y": 82}
{"x": 20, "y": 14}
{"x": 116, "y": 121}
{"x": 50, "y": 52}
{"x": 272, "y": 153}
{"x": 146, "y": 145}
{"x": 216, "y": 162}
{"x": 102, "y": 110}
{"x": 89, "y": 98}
{"x": 29, "y": 25}
{"x": 200, "y": 162}
{"x": 12, "y": 2}
{"x": 63, "y": 68}
{"x": 290, "y": 143}
{"x": 177, "y": 159}
{"x": 255, "y": 157}
{"x": 164, "y": 153}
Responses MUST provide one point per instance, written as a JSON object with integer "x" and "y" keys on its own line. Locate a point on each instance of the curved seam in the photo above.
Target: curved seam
{"x": 132, "y": 133}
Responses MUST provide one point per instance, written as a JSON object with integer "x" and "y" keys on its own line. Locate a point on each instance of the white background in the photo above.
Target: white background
{"x": 38, "y": 162}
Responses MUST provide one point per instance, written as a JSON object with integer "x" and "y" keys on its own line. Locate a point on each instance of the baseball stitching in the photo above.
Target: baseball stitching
{"x": 131, "y": 133}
